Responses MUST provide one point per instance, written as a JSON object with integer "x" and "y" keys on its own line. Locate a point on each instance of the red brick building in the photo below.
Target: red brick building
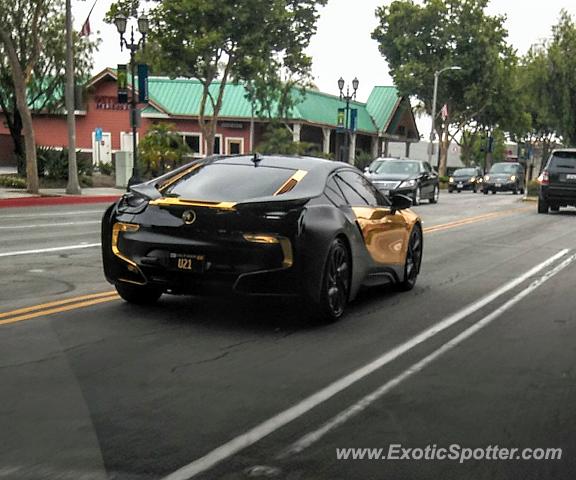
{"x": 384, "y": 118}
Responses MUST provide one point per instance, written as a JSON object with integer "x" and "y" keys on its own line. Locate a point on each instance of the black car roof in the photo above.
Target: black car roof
{"x": 311, "y": 185}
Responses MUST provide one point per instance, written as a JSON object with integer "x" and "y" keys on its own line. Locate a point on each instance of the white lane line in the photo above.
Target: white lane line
{"x": 40, "y": 225}
{"x": 283, "y": 418}
{"x": 54, "y": 214}
{"x": 47, "y": 250}
{"x": 312, "y": 437}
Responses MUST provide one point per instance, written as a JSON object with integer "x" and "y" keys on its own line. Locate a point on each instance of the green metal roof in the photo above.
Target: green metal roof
{"x": 182, "y": 96}
{"x": 381, "y": 105}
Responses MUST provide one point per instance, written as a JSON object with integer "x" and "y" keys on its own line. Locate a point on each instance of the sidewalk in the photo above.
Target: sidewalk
{"x": 11, "y": 197}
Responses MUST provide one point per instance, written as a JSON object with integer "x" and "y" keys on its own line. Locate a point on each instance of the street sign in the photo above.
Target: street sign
{"x": 143, "y": 83}
{"x": 98, "y": 134}
{"x": 341, "y": 118}
{"x": 122, "y": 82}
{"x": 353, "y": 119}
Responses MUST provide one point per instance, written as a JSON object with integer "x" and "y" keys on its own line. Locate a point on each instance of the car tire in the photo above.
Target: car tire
{"x": 138, "y": 294}
{"x": 335, "y": 288}
{"x": 436, "y": 195}
{"x": 459, "y": 190}
{"x": 417, "y": 196}
{"x": 542, "y": 205}
{"x": 493, "y": 192}
{"x": 515, "y": 190}
{"x": 413, "y": 259}
{"x": 450, "y": 190}
{"x": 474, "y": 190}
{"x": 485, "y": 192}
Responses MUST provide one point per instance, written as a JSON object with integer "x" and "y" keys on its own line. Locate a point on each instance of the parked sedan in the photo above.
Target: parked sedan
{"x": 558, "y": 181}
{"x": 413, "y": 178}
{"x": 466, "y": 179}
{"x": 255, "y": 225}
{"x": 504, "y": 177}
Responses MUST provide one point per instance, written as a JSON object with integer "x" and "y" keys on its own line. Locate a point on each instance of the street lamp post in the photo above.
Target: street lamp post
{"x": 348, "y": 97}
{"x": 434, "y": 98}
{"x": 143, "y": 25}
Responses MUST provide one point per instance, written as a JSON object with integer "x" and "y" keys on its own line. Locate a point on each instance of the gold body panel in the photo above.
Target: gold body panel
{"x": 385, "y": 234}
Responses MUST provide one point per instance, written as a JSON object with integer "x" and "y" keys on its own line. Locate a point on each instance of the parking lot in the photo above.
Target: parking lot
{"x": 94, "y": 388}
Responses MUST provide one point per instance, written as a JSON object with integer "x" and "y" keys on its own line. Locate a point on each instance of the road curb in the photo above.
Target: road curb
{"x": 56, "y": 200}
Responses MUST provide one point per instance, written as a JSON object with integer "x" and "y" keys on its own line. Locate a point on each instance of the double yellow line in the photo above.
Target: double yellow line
{"x": 82, "y": 301}
{"x": 476, "y": 219}
{"x": 57, "y": 306}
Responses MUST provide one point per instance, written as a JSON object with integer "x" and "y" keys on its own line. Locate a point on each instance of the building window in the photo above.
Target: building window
{"x": 193, "y": 142}
{"x": 218, "y": 145}
{"x": 234, "y": 146}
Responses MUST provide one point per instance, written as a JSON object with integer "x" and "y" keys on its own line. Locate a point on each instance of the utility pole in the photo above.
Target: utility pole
{"x": 73, "y": 186}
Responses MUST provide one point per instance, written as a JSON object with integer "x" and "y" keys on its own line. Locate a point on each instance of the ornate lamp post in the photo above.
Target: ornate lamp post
{"x": 347, "y": 98}
{"x": 143, "y": 25}
{"x": 435, "y": 96}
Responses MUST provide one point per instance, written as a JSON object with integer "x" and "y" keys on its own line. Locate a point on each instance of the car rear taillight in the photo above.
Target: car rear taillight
{"x": 544, "y": 178}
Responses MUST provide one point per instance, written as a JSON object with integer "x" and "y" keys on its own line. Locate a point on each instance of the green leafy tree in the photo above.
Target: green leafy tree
{"x": 277, "y": 139}
{"x": 32, "y": 69}
{"x": 162, "y": 149}
{"x": 230, "y": 41}
{"x": 560, "y": 82}
{"x": 418, "y": 40}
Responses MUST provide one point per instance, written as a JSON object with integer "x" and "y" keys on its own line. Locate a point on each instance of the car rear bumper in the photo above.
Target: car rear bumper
{"x": 559, "y": 195}
{"x": 232, "y": 265}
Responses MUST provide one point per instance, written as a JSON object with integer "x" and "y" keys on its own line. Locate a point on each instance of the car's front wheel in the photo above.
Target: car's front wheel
{"x": 335, "y": 283}
{"x": 417, "y": 196}
{"x": 138, "y": 294}
{"x": 413, "y": 259}
{"x": 436, "y": 195}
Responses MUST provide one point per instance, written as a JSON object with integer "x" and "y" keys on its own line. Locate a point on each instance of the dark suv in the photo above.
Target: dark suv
{"x": 558, "y": 181}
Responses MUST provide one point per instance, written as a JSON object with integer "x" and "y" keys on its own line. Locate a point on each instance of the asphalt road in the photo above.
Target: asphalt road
{"x": 480, "y": 353}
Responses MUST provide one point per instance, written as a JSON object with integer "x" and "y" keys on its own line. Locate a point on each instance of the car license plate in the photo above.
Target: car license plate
{"x": 188, "y": 262}
{"x": 498, "y": 185}
{"x": 460, "y": 185}
{"x": 570, "y": 176}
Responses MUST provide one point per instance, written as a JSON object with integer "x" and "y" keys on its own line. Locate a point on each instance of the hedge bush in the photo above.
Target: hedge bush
{"x": 10, "y": 181}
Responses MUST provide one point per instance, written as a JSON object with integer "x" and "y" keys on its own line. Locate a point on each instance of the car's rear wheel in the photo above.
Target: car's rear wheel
{"x": 138, "y": 294}
{"x": 413, "y": 259}
{"x": 436, "y": 195}
{"x": 485, "y": 192}
{"x": 542, "y": 205}
{"x": 335, "y": 283}
{"x": 493, "y": 192}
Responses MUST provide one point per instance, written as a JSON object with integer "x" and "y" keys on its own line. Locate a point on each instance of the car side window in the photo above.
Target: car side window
{"x": 427, "y": 167}
{"x": 333, "y": 192}
{"x": 359, "y": 191}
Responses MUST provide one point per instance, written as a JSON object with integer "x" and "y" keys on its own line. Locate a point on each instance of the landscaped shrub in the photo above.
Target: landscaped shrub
{"x": 10, "y": 181}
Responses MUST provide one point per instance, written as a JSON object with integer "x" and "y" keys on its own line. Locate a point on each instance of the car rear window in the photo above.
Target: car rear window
{"x": 220, "y": 182}
{"x": 563, "y": 161}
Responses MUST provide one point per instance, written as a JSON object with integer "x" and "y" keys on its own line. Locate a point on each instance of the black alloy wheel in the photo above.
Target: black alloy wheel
{"x": 413, "y": 259}
{"x": 335, "y": 283}
{"x": 138, "y": 294}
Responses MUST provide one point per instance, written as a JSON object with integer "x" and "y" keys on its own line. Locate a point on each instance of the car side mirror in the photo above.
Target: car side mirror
{"x": 366, "y": 170}
{"x": 400, "y": 202}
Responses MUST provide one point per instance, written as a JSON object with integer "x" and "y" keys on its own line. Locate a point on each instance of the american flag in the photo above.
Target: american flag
{"x": 85, "y": 31}
{"x": 444, "y": 112}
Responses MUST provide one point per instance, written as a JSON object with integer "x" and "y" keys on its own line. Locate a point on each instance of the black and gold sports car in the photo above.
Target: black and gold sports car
{"x": 260, "y": 225}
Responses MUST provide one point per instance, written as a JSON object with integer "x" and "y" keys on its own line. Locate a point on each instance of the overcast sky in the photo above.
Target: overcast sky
{"x": 343, "y": 47}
